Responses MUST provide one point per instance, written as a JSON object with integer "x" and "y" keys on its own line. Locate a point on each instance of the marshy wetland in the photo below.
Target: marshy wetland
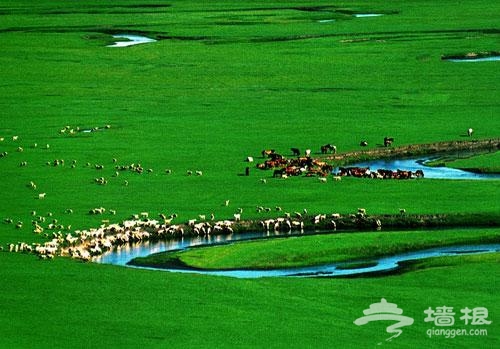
{"x": 93, "y": 136}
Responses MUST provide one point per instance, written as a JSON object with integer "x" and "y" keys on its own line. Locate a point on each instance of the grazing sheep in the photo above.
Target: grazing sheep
{"x": 469, "y": 132}
{"x": 226, "y": 203}
{"x": 402, "y": 211}
{"x": 278, "y": 208}
{"x": 199, "y": 173}
{"x": 322, "y": 179}
{"x": 41, "y": 196}
{"x": 202, "y": 217}
{"x": 20, "y": 149}
{"x": 362, "y": 211}
{"x": 363, "y": 143}
{"x": 337, "y": 178}
{"x": 15, "y": 138}
{"x": 308, "y": 153}
{"x": 168, "y": 171}
{"x": 237, "y": 217}
{"x": 249, "y": 159}
{"x": 189, "y": 173}
{"x": 263, "y": 180}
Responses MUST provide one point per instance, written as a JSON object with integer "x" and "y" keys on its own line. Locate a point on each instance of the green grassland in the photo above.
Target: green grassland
{"x": 225, "y": 80}
{"x": 64, "y": 304}
{"x": 483, "y": 163}
{"x": 317, "y": 249}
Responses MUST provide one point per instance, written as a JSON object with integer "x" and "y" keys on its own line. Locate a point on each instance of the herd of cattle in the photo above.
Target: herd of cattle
{"x": 365, "y": 172}
{"x": 308, "y": 166}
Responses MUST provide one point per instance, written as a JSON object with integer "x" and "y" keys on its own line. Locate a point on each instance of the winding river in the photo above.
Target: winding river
{"x": 375, "y": 265}
{"x": 123, "y": 255}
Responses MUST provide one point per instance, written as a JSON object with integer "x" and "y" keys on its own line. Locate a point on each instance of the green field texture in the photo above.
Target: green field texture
{"x": 64, "y": 303}
{"x": 317, "y": 249}
{"x": 485, "y": 163}
{"x": 226, "y": 80}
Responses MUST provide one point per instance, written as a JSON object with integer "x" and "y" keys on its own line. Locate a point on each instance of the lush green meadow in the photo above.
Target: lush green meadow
{"x": 225, "y": 80}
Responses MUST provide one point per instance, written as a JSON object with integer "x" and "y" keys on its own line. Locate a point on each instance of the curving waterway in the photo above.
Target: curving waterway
{"x": 125, "y": 254}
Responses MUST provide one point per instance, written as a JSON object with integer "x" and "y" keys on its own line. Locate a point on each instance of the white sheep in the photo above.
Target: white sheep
{"x": 322, "y": 179}
{"x": 469, "y": 132}
{"x": 41, "y": 196}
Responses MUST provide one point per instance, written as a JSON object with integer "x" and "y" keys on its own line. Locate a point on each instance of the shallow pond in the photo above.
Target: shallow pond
{"x": 364, "y": 15}
{"x": 132, "y": 40}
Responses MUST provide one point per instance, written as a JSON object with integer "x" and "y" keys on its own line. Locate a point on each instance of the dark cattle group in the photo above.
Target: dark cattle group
{"x": 365, "y": 172}
{"x": 301, "y": 165}
{"x": 328, "y": 148}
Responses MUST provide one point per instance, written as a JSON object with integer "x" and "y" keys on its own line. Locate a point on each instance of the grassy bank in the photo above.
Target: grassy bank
{"x": 224, "y": 81}
{"x": 315, "y": 250}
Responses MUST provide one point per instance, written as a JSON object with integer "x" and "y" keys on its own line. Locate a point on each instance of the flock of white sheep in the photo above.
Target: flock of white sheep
{"x": 86, "y": 244}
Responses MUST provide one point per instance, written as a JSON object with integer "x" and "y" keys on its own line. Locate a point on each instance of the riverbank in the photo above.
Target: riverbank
{"x": 412, "y": 150}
